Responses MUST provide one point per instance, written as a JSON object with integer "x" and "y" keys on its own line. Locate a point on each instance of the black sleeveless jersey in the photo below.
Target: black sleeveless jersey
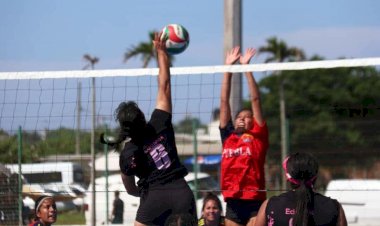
{"x": 156, "y": 161}
{"x": 280, "y": 210}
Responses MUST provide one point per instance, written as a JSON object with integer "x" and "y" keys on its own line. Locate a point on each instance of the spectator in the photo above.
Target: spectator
{"x": 46, "y": 211}
{"x": 211, "y": 211}
{"x": 31, "y": 219}
{"x": 118, "y": 209}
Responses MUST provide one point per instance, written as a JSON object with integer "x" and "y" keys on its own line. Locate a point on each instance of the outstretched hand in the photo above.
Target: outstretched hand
{"x": 233, "y": 55}
{"x": 159, "y": 44}
{"x": 249, "y": 53}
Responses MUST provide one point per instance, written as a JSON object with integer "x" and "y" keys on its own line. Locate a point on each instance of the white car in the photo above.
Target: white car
{"x": 131, "y": 203}
{"x": 359, "y": 198}
{"x": 73, "y": 200}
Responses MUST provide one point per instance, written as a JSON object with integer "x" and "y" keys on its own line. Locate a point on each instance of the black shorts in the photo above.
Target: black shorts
{"x": 159, "y": 202}
{"x": 240, "y": 211}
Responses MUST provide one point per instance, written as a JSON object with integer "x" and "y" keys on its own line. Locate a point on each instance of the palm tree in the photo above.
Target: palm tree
{"x": 280, "y": 52}
{"x": 146, "y": 50}
{"x": 91, "y": 64}
{"x": 91, "y": 61}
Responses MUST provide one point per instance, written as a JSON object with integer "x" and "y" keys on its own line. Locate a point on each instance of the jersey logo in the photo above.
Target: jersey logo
{"x": 159, "y": 154}
{"x": 229, "y": 152}
{"x": 247, "y": 138}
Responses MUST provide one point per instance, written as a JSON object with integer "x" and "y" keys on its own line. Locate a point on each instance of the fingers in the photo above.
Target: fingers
{"x": 249, "y": 53}
{"x": 235, "y": 50}
{"x": 159, "y": 41}
{"x": 233, "y": 55}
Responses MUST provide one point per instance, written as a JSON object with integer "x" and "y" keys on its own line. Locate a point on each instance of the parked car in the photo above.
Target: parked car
{"x": 359, "y": 198}
{"x": 131, "y": 203}
{"x": 64, "y": 180}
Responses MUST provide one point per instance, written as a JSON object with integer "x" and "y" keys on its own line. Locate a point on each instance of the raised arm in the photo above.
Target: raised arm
{"x": 164, "y": 99}
{"x": 225, "y": 109}
{"x": 253, "y": 88}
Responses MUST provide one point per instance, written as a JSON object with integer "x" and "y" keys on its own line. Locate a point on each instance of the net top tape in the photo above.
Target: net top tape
{"x": 360, "y": 62}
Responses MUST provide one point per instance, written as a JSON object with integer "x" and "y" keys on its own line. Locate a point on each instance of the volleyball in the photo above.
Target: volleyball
{"x": 177, "y": 38}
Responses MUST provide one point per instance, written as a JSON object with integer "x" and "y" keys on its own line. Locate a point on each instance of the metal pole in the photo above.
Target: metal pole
{"x": 79, "y": 109}
{"x": 93, "y": 198}
{"x": 287, "y": 124}
{"x": 284, "y": 151}
{"x": 195, "y": 165}
{"x": 20, "y": 223}
{"x": 232, "y": 37}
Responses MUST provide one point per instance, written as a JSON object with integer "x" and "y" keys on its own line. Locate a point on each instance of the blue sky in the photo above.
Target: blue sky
{"x": 54, "y": 35}
{"x": 44, "y": 35}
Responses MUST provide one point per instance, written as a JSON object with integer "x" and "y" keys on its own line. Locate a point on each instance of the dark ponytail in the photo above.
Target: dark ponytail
{"x": 132, "y": 124}
{"x": 302, "y": 170}
{"x": 304, "y": 206}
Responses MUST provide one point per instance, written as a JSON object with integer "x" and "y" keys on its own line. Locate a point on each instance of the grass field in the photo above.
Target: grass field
{"x": 71, "y": 218}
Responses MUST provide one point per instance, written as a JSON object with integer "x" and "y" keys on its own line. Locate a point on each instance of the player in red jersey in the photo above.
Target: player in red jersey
{"x": 245, "y": 142}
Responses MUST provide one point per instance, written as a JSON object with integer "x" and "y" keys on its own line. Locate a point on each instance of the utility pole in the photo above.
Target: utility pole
{"x": 232, "y": 38}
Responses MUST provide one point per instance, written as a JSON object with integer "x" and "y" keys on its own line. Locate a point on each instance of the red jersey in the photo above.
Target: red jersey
{"x": 243, "y": 159}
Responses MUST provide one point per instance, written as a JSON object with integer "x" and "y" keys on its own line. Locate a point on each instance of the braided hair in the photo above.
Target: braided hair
{"x": 301, "y": 171}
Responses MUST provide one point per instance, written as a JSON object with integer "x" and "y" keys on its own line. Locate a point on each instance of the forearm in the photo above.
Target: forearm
{"x": 164, "y": 86}
{"x": 163, "y": 65}
{"x": 225, "y": 109}
{"x": 253, "y": 87}
{"x": 255, "y": 98}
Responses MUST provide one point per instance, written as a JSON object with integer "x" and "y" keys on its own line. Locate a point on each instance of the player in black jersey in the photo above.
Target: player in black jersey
{"x": 301, "y": 206}
{"x": 149, "y": 152}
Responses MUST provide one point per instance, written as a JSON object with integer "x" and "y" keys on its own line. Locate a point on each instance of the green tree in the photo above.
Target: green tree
{"x": 9, "y": 147}
{"x": 186, "y": 125}
{"x": 145, "y": 50}
{"x": 279, "y": 51}
{"x": 332, "y": 112}
{"x": 62, "y": 141}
